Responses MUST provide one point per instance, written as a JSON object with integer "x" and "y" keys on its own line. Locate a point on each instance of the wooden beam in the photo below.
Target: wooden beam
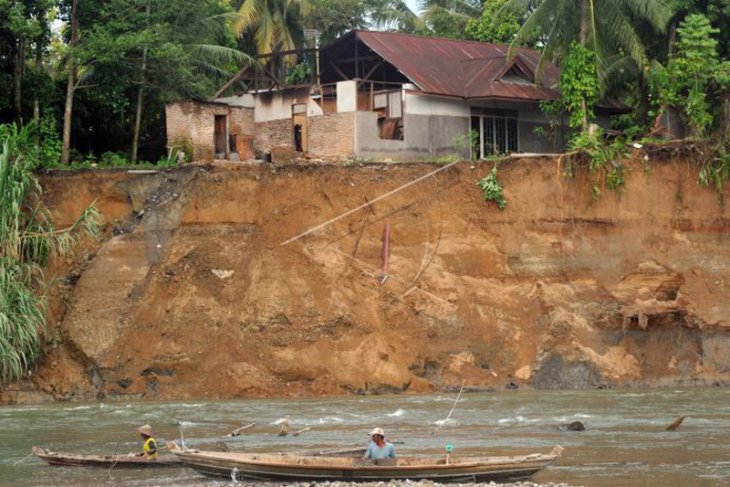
{"x": 228, "y": 83}
{"x": 372, "y": 70}
{"x": 334, "y": 66}
{"x": 284, "y": 53}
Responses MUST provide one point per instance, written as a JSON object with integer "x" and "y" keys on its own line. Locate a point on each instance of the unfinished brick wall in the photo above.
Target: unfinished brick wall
{"x": 241, "y": 121}
{"x": 332, "y": 135}
{"x": 274, "y": 133}
{"x": 192, "y": 122}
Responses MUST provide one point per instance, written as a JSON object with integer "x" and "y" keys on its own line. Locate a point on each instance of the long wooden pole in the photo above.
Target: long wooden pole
{"x": 384, "y": 251}
{"x": 370, "y": 202}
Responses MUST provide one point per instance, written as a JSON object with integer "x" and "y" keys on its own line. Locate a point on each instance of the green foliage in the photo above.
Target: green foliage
{"x": 447, "y": 18}
{"x": 40, "y": 146}
{"x": 112, "y": 159}
{"x": 184, "y": 144}
{"x": 300, "y": 74}
{"x": 690, "y": 77}
{"x": 628, "y": 125}
{"x": 27, "y": 240}
{"x": 468, "y": 142}
{"x": 495, "y": 24}
{"x": 716, "y": 169}
{"x": 553, "y": 111}
{"x": 611, "y": 29}
{"x": 492, "y": 189}
{"x": 605, "y": 158}
{"x": 579, "y": 85}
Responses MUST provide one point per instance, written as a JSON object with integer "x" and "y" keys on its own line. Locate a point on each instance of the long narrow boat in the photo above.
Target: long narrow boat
{"x": 291, "y": 468}
{"x": 76, "y": 460}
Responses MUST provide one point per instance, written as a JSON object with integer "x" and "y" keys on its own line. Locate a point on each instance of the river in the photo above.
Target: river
{"x": 625, "y": 443}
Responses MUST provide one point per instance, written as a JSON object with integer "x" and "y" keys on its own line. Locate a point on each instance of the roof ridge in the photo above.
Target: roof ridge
{"x": 458, "y": 41}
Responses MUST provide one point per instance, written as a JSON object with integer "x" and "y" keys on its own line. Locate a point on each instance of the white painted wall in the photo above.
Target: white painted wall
{"x": 346, "y": 96}
{"x": 429, "y": 105}
{"x": 246, "y": 100}
{"x": 367, "y": 137}
{"x": 526, "y": 112}
{"x": 278, "y": 105}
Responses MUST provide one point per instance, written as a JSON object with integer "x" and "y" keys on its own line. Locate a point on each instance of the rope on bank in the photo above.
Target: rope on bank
{"x": 389, "y": 193}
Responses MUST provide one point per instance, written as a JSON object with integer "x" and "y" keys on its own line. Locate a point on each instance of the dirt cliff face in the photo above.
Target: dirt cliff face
{"x": 194, "y": 295}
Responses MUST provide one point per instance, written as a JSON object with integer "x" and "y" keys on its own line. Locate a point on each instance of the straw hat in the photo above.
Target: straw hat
{"x": 146, "y": 430}
{"x": 377, "y": 431}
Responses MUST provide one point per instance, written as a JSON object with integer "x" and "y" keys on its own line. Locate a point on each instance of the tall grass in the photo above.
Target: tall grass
{"x": 27, "y": 239}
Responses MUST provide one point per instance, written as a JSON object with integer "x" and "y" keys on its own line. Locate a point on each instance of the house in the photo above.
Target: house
{"x": 383, "y": 95}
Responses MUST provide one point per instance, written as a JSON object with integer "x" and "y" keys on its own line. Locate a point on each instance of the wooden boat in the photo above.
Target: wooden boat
{"x": 291, "y": 468}
{"x": 76, "y": 460}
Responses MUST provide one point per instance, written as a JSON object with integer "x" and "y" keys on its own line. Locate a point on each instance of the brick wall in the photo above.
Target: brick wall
{"x": 241, "y": 121}
{"x": 192, "y": 122}
{"x": 274, "y": 133}
{"x": 332, "y": 135}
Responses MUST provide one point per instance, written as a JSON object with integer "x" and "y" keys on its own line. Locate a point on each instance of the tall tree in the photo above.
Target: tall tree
{"x": 449, "y": 18}
{"x": 607, "y": 28}
{"x": 70, "y": 82}
{"x": 274, "y": 24}
{"x": 24, "y": 35}
{"x": 135, "y": 55}
{"x": 493, "y": 27}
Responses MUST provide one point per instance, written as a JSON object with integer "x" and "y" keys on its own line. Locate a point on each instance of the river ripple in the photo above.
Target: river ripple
{"x": 625, "y": 443}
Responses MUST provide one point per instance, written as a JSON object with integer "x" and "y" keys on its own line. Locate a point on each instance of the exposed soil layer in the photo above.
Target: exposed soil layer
{"x": 192, "y": 295}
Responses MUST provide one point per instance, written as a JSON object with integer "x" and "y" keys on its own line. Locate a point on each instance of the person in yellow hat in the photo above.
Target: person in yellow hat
{"x": 149, "y": 448}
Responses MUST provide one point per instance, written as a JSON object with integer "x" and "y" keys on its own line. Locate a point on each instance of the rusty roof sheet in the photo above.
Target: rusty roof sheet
{"x": 464, "y": 69}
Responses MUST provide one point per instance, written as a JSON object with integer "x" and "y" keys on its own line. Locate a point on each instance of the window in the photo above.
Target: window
{"x": 389, "y": 105}
{"x": 497, "y": 135}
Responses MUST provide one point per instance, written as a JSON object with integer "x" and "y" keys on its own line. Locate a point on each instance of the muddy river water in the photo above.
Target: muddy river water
{"x": 625, "y": 442}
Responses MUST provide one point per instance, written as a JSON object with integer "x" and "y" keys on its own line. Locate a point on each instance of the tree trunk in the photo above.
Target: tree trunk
{"x": 725, "y": 114}
{"x": 140, "y": 97}
{"x": 18, "y": 69}
{"x": 70, "y": 86}
{"x": 584, "y": 22}
{"x": 36, "y": 101}
{"x": 137, "y": 123}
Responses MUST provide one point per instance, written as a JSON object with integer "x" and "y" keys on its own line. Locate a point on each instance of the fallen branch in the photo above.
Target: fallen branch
{"x": 283, "y": 429}
{"x": 237, "y": 431}
{"x": 675, "y": 424}
{"x": 297, "y": 433}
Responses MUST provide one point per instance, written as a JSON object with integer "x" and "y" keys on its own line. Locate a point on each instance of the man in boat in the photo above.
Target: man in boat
{"x": 149, "y": 448}
{"x": 379, "y": 448}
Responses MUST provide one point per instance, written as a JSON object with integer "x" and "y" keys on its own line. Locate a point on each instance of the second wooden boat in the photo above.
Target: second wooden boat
{"x": 77, "y": 460}
{"x": 292, "y": 468}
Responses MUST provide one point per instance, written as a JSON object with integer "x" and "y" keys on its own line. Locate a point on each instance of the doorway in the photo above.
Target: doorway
{"x": 299, "y": 127}
{"x": 220, "y": 135}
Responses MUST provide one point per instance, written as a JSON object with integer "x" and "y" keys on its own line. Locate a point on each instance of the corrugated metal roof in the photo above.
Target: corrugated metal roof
{"x": 464, "y": 69}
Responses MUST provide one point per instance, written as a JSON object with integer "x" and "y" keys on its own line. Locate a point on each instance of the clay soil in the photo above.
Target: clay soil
{"x": 193, "y": 292}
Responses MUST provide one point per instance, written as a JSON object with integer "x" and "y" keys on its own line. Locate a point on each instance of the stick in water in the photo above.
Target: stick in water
{"x": 452, "y": 409}
{"x": 237, "y": 431}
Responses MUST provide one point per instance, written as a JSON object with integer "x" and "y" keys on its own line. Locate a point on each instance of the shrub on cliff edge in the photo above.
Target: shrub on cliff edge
{"x": 27, "y": 239}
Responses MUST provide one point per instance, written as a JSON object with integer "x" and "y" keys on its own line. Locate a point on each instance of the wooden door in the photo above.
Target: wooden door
{"x": 220, "y": 135}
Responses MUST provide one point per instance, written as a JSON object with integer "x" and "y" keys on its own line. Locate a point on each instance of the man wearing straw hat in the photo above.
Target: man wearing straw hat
{"x": 379, "y": 449}
{"x": 149, "y": 449}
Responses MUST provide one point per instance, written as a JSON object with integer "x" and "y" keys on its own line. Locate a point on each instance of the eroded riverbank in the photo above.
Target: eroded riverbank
{"x": 193, "y": 295}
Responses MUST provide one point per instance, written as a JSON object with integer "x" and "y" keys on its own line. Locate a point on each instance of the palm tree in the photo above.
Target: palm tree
{"x": 394, "y": 15}
{"x": 274, "y": 24}
{"x": 607, "y": 28}
{"x": 448, "y": 18}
